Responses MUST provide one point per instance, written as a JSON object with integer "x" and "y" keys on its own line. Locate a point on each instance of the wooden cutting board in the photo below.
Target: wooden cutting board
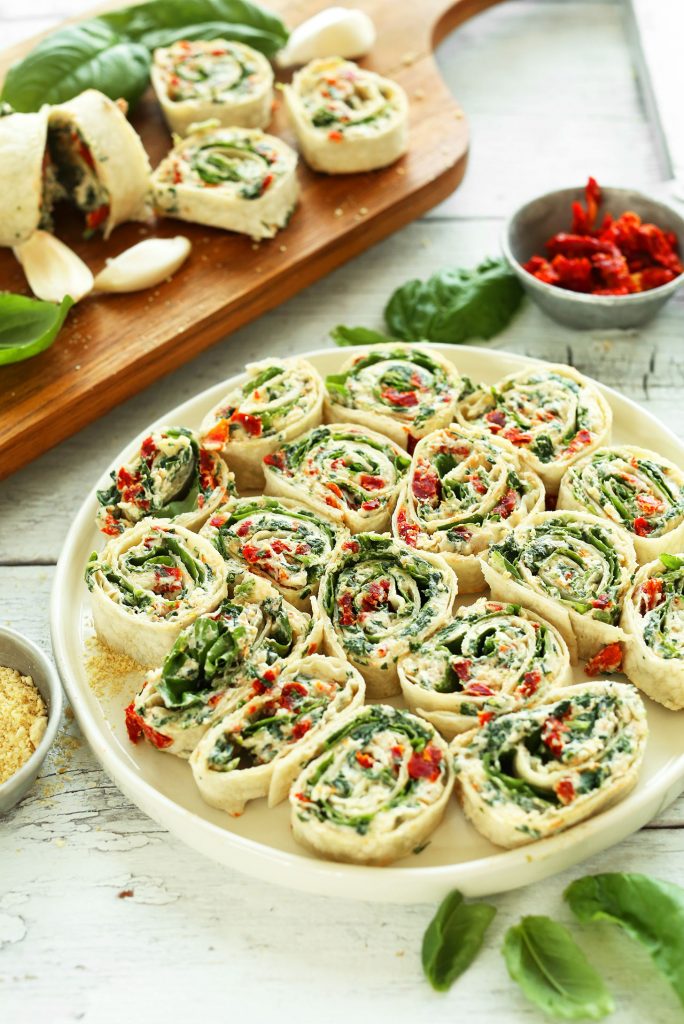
{"x": 113, "y": 346}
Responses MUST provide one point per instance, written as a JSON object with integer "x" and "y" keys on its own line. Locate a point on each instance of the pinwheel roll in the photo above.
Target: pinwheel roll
{"x": 282, "y": 540}
{"x": 551, "y": 412}
{"x": 212, "y": 665}
{"x": 635, "y": 488}
{"x": 150, "y": 582}
{"x": 203, "y": 79}
{"x": 239, "y": 179}
{"x": 27, "y": 183}
{"x": 378, "y": 599}
{"x": 376, "y": 791}
{"x": 533, "y": 773}
{"x": 653, "y": 618}
{"x": 347, "y": 119}
{"x": 464, "y": 489}
{"x": 101, "y": 162}
{"x": 263, "y": 741}
{"x": 573, "y": 569}
{"x": 491, "y": 659}
{"x": 280, "y": 399}
{"x": 170, "y": 477}
{"x": 348, "y": 472}
{"x": 403, "y": 391}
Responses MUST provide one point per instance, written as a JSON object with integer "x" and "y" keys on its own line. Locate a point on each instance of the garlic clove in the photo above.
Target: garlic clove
{"x": 143, "y": 265}
{"x": 52, "y": 269}
{"x": 333, "y": 32}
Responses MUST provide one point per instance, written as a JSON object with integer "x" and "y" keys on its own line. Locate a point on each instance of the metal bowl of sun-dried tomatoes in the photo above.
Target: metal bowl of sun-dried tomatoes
{"x": 597, "y": 257}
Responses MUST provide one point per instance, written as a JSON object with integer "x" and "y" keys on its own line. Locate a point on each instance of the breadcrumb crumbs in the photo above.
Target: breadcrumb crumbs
{"x": 23, "y": 720}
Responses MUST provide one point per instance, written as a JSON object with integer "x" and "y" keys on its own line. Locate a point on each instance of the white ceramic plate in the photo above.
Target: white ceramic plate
{"x": 260, "y": 842}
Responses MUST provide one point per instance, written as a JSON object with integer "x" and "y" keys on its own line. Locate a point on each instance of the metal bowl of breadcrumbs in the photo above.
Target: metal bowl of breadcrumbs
{"x": 30, "y": 713}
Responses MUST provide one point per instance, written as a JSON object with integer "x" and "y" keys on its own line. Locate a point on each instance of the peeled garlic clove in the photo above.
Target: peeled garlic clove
{"x": 143, "y": 265}
{"x": 52, "y": 269}
{"x": 333, "y": 32}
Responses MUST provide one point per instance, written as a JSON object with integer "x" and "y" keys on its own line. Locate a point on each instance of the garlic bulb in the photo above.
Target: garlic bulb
{"x": 52, "y": 269}
{"x": 333, "y": 32}
{"x": 143, "y": 265}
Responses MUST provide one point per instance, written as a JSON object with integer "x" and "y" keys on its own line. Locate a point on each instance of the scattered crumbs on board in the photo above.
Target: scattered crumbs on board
{"x": 108, "y": 671}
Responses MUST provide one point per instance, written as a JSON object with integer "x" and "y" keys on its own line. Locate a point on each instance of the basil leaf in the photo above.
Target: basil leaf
{"x": 28, "y": 326}
{"x": 455, "y": 305}
{"x": 160, "y": 22}
{"x": 343, "y": 336}
{"x": 453, "y": 939}
{"x": 86, "y": 56}
{"x": 650, "y": 911}
{"x": 553, "y": 972}
{"x": 672, "y": 561}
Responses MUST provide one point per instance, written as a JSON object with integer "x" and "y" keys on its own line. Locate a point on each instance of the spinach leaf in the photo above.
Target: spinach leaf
{"x": 28, "y": 326}
{"x": 342, "y": 336}
{"x": 553, "y": 972}
{"x": 91, "y": 55}
{"x": 650, "y": 911}
{"x": 453, "y": 939}
{"x": 455, "y": 305}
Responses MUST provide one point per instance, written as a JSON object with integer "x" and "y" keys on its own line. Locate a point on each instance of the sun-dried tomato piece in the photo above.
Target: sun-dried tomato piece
{"x": 606, "y": 661}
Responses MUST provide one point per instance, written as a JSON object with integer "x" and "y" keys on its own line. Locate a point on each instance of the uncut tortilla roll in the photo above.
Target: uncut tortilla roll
{"x": 377, "y": 600}
{"x": 571, "y": 568}
{"x": 634, "y": 487}
{"x": 238, "y": 179}
{"x": 170, "y": 476}
{"x": 202, "y": 79}
{"x": 150, "y": 582}
{"x": 492, "y": 658}
{"x": 344, "y": 471}
{"x": 534, "y": 773}
{"x": 347, "y": 119}
{"x": 376, "y": 791}
{"x": 551, "y": 412}
{"x": 280, "y": 399}
{"x": 26, "y": 176}
{"x": 653, "y": 618}
{"x": 256, "y": 749}
{"x": 101, "y": 162}
{"x": 402, "y": 390}
{"x": 464, "y": 489}
{"x": 212, "y": 665}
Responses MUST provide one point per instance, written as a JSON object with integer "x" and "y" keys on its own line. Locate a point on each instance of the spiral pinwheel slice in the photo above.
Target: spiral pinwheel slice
{"x": 169, "y": 477}
{"x": 551, "y": 412}
{"x": 201, "y": 79}
{"x": 100, "y": 161}
{"x": 464, "y": 489}
{"x": 259, "y": 747}
{"x": 282, "y": 540}
{"x": 376, "y": 791}
{"x": 238, "y": 179}
{"x": 280, "y": 399}
{"x": 378, "y": 599}
{"x": 212, "y": 664}
{"x": 28, "y": 184}
{"x": 635, "y": 488}
{"x": 403, "y": 391}
{"x": 533, "y": 773}
{"x": 573, "y": 569}
{"x": 347, "y": 472}
{"x": 491, "y": 659}
{"x": 150, "y": 582}
{"x": 347, "y": 119}
{"x": 653, "y": 619}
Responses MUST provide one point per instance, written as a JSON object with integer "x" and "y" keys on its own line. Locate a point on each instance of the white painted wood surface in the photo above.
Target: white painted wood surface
{"x": 551, "y": 95}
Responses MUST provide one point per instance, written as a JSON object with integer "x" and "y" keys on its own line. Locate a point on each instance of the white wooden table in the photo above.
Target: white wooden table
{"x": 551, "y": 95}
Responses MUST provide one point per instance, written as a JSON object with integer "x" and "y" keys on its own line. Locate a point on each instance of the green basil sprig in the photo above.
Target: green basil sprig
{"x": 553, "y": 972}
{"x": 112, "y": 52}
{"x": 28, "y": 326}
{"x": 345, "y": 336}
{"x": 650, "y": 911}
{"x": 453, "y": 939}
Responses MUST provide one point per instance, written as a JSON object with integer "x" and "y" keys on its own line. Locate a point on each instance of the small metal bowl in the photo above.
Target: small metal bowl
{"x": 530, "y": 227}
{"x": 23, "y": 655}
